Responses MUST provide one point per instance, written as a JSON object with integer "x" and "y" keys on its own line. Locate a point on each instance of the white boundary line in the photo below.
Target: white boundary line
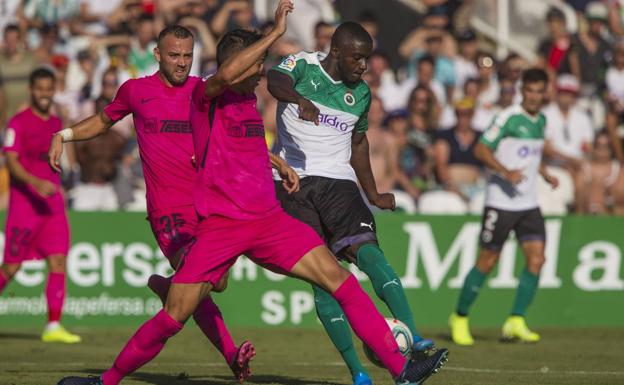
{"x": 544, "y": 370}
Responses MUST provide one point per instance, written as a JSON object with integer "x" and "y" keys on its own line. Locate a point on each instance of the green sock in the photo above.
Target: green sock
{"x": 525, "y": 293}
{"x": 337, "y": 327}
{"x": 472, "y": 285}
{"x": 387, "y": 285}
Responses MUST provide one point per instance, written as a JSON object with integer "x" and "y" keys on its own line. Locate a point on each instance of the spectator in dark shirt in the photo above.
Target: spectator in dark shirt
{"x": 557, "y": 52}
{"x": 455, "y": 166}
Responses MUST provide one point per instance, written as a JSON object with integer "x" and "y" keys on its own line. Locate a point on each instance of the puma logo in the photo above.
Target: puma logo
{"x": 314, "y": 84}
{"x": 362, "y": 224}
{"x": 337, "y": 319}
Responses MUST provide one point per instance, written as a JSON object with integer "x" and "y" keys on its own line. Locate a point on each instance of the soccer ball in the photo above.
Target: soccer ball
{"x": 401, "y": 334}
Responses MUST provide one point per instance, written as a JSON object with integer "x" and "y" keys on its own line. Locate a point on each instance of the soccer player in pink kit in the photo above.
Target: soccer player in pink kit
{"x": 160, "y": 105}
{"x": 240, "y": 214}
{"x": 36, "y": 226}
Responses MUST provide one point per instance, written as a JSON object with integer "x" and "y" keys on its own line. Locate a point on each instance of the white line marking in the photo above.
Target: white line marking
{"x": 16, "y": 367}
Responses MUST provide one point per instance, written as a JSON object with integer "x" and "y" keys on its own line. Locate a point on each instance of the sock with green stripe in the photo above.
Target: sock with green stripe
{"x": 525, "y": 292}
{"x": 387, "y": 284}
{"x": 469, "y": 292}
{"x": 337, "y": 326}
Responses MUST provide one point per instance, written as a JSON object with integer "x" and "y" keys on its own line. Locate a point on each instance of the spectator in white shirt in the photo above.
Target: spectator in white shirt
{"x": 569, "y": 132}
{"x": 615, "y": 99}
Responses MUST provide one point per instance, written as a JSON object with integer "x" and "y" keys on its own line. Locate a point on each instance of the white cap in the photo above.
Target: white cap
{"x": 596, "y": 10}
{"x": 568, "y": 83}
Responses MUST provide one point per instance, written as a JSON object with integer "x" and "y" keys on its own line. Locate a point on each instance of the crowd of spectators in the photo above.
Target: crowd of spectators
{"x": 425, "y": 116}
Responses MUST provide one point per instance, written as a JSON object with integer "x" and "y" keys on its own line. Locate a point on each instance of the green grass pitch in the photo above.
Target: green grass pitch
{"x": 306, "y": 357}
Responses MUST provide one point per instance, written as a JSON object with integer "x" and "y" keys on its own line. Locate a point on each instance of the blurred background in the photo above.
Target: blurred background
{"x": 439, "y": 72}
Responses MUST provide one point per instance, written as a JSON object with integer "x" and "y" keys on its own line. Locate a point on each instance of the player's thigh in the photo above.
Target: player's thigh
{"x": 496, "y": 224}
{"x": 173, "y": 229}
{"x": 530, "y": 227}
{"x": 21, "y": 232}
{"x": 52, "y": 241}
{"x": 299, "y": 204}
{"x": 320, "y": 267}
{"x": 288, "y": 246}
{"x": 214, "y": 249}
{"x": 345, "y": 215}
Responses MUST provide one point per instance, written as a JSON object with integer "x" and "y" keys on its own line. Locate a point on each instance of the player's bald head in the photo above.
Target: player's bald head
{"x": 350, "y": 33}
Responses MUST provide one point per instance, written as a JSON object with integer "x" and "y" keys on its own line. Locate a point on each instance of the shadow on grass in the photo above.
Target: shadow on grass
{"x": 184, "y": 379}
{"x": 19, "y": 336}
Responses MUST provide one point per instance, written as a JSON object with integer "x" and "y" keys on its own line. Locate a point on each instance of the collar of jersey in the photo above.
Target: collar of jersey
{"x": 318, "y": 54}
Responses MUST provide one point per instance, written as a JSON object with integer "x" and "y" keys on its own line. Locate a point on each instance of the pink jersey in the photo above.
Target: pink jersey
{"x": 29, "y": 136}
{"x": 234, "y": 172}
{"x": 161, "y": 120}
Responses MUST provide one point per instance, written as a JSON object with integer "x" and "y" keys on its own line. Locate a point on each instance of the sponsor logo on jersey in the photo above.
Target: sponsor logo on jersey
{"x": 288, "y": 64}
{"x": 9, "y": 137}
{"x": 525, "y": 151}
{"x": 349, "y": 99}
{"x": 176, "y": 126}
{"x": 333, "y": 121}
{"x": 248, "y": 129}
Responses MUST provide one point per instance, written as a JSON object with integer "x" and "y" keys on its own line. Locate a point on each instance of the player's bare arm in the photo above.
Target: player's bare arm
{"x": 290, "y": 178}
{"x": 282, "y": 87}
{"x": 248, "y": 61}
{"x": 43, "y": 187}
{"x": 486, "y": 156}
{"x": 86, "y": 129}
{"x": 360, "y": 161}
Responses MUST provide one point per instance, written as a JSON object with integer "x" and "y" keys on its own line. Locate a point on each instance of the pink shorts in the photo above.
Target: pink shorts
{"x": 173, "y": 227}
{"x": 33, "y": 236}
{"x": 276, "y": 242}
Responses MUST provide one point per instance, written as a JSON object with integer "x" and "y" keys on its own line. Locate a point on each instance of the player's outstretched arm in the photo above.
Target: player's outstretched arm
{"x": 246, "y": 62}
{"x": 360, "y": 161}
{"x": 485, "y": 154}
{"x": 86, "y": 129}
{"x": 282, "y": 87}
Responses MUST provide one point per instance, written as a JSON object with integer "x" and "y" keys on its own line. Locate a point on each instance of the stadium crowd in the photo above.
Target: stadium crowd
{"x": 425, "y": 117}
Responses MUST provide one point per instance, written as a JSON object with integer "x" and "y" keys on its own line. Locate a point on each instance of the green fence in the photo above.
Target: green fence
{"x": 113, "y": 254}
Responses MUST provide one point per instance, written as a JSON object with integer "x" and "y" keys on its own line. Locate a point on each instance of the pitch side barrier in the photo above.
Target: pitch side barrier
{"x": 113, "y": 254}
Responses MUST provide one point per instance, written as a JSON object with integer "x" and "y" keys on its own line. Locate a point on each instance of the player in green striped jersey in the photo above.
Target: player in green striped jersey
{"x": 322, "y": 123}
{"x": 512, "y": 149}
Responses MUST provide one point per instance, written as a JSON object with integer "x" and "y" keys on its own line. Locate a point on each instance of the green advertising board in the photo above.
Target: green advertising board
{"x": 113, "y": 254}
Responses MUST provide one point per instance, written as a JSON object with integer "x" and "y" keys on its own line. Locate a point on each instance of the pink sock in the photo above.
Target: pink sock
{"x": 55, "y": 294}
{"x": 160, "y": 286}
{"x": 209, "y": 319}
{"x": 142, "y": 347}
{"x": 369, "y": 324}
{"x": 3, "y": 281}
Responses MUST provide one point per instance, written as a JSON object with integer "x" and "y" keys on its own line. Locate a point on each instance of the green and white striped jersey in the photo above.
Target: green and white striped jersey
{"x": 323, "y": 150}
{"x": 517, "y": 139}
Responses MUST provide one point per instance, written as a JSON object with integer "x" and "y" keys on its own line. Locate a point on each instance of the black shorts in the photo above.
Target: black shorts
{"x": 496, "y": 225}
{"x": 334, "y": 208}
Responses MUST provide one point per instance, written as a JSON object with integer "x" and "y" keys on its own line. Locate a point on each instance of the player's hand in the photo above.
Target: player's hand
{"x": 385, "y": 201}
{"x": 55, "y": 152}
{"x": 194, "y": 161}
{"x": 290, "y": 178}
{"x": 514, "y": 176}
{"x": 552, "y": 180}
{"x": 308, "y": 111}
{"x": 283, "y": 9}
{"x": 45, "y": 188}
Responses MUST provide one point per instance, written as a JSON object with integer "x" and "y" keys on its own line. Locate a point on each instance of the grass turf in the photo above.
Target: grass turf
{"x": 306, "y": 357}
